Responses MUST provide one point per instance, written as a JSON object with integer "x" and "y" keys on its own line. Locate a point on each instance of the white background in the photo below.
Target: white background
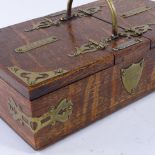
{"x": 130, "y": 131}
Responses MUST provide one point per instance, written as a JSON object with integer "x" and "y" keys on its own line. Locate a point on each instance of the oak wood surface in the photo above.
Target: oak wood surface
{"x": 94, "y": 84}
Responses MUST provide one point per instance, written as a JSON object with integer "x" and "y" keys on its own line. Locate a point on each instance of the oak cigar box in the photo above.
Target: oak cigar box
{"x": 64, "y": 71}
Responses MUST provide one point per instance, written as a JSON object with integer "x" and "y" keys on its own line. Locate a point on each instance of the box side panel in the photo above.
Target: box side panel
{"x": 9, "y": 100}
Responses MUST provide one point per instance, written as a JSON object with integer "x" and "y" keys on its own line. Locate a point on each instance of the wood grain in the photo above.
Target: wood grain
{"x": 93, "y": 84}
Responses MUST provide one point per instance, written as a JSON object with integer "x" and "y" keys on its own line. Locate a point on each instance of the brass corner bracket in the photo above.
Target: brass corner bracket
{"x": 34, "y": 78}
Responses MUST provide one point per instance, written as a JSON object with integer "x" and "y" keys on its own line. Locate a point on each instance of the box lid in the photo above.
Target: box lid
{"x": 131, "y": 14}
{"x": 45, "y": 54}
{"x": 35, "y": 71}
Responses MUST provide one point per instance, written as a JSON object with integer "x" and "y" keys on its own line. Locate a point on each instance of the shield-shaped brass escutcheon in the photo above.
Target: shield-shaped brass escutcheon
{"x": 132, "y": 75}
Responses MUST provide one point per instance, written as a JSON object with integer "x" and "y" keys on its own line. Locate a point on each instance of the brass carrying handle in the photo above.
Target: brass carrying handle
{"x": 113, "y": 14}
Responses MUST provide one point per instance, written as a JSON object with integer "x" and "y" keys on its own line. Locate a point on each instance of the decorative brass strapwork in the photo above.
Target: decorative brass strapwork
{"x": 48, "y": 22}
{"x": 135, "y": 31}
{"x": 34, "y": 78}
{"x": 131, "y": 33}
{"x": 60, "y": 113}
{"x": 131, "y": 76}
{"x": 113, "y": 14}
{"x": 91, "y": 46}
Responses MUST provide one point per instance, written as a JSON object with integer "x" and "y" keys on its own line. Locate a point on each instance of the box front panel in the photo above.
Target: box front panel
{"x": 10, "y": 102}
{"x": 58, "y": 114}
{"x": 95, "y": 97}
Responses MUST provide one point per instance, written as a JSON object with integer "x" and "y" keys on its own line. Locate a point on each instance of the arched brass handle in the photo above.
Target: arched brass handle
{"x": 113, "y": 14}
{"x": 69, "y": 9}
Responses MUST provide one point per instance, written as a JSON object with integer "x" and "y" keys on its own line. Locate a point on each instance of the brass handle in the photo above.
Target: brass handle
{"x": 69, "y": 9}
{"x": 113, "y": 14}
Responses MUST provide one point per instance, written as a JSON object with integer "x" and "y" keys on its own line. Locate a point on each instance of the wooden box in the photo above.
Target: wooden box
{"x": 62, "y": 72}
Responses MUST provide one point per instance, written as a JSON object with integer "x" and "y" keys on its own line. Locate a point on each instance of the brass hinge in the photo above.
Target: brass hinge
{"x": 91, "y": 46}
{"x": 60, "y": 113}
{"x": 131, "y": 33}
